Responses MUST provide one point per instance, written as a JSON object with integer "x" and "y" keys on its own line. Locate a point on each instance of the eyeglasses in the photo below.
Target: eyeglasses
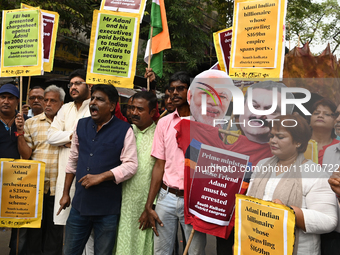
{"x": 77, "y": 83}
{"x": 36, "y": 97}
{"x": 336, "y": 114}
{"x": 178, "y": 88}
{"x": 166, "y": 97}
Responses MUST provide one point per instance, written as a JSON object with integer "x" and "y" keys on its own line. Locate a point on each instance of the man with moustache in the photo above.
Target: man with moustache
{"x": 60, "y": 132}
{"x": 168, "y": 176}
{"x": 35, "y": 102}
{"x": 9, "y": 101}
{"x": 130, "y": 239}
{"x": 103, "y": 155}
{"x": 167, "y": 101}
{"x": 32, "y": 144}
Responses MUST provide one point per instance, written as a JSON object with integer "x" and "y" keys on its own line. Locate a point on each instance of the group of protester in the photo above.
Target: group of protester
{"x": 117, "y": 183}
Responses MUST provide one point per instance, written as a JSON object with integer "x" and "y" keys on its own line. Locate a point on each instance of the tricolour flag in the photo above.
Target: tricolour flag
{"x": 160, "y": 37}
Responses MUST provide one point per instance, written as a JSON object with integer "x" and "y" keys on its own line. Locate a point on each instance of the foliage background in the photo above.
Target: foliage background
{"x": 191, "y": 25}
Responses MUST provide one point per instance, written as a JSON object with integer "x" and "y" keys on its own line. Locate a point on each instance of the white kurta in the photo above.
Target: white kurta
{"x": 59, "y": 134}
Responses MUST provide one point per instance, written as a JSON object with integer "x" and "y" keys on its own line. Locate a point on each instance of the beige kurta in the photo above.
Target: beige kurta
{"x": 59, "y": 134}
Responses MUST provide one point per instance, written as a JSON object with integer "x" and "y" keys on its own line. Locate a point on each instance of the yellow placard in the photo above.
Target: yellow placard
{"x": 22, "y": 44}
{"x": 131, "y": 6}
{"x": 21, "y": 193}
{"x": 257, "y": 43}
{"x": 50, "y": 22}
{"x": 113, "y": 48}
{"x": 312, "y": 151}
{"x": 263, "y": 227}
{"x": 220, "y": 47}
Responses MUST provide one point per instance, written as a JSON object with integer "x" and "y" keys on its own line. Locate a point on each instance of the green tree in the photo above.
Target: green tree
{"x": 75, "y": 16}
{"x": 190, "y": 34}
{"x": 314, "y": 22}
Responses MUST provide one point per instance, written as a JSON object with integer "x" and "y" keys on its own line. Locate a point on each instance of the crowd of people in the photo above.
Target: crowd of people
{"x": 114, "y": 184}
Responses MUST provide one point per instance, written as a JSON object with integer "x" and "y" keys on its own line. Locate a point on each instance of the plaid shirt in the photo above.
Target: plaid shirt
{"x": 36, "y": 138}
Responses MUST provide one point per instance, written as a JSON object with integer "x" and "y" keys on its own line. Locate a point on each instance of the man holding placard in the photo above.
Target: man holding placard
{"x": 32, "y": 144}
{"x": 9, "y": 100}
{"x": 35, "y": 102}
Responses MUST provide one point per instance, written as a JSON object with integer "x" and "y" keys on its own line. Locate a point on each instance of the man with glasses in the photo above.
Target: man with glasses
{"x": 35, "y": 102}
{"x": 60, "y": 134}
{"x": 168, "y": 177}
{"x": 32, "y": 144}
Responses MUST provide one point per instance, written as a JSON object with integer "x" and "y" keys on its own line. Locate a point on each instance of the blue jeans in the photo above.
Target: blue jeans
{"x": 78, "y": 230}
{"x": 170, "y": 210}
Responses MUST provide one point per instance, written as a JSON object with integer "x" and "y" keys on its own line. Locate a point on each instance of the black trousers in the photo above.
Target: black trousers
{"x": 47, "y": 240}
{"x": 225, "y": 246}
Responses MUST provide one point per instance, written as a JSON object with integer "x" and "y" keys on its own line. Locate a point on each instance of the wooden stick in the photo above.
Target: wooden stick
{"x": 17, "y": 249}
{"x": 20, "y": 100}
{"x": 189, "y": 242}
{"x": 28, "y": 88}
{"x": 228, "y": 132}
{"x": 149, "y": 60}
{"x": 163, "y": 114}
{"x": 231, "y": 117}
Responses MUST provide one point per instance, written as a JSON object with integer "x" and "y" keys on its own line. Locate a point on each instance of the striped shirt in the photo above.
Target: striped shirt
{"x": 36, "y": 138}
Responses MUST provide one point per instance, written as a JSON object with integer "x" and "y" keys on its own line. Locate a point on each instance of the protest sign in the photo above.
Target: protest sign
{"x": 21, "y": 43}
{"x": 217, "y": 178}
{"x": 113, "y": 48}
{"x": 257, "y": 41}
{"x": 50, "y": 23}
{"x": 132, "y": 6}
{"x": 222, "y": 41}
{"x": 21, "y": 193}
{"x": 263, "y": 227}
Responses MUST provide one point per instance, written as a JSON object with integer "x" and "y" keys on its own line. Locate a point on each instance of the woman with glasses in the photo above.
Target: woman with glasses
{"x": 322, "y": 124}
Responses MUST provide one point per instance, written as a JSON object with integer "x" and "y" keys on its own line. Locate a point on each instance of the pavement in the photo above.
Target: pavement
{"x": 5, "y": 235}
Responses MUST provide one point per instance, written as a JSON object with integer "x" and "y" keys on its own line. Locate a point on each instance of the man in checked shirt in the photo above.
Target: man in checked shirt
{"x": 32, "y": 143}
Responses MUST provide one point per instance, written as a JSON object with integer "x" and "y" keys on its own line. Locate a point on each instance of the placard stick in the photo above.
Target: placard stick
{"x": 20, "y": 100}
{"x": 163, "y": 114}
{"x": 231, "y": 117}
{"x": 149, "y": 60}
{"x": 189, "y": 242}
{"x": 228, "y": 132}
{"x": 28, "y": 88}
{"x": 17, "y": 248}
